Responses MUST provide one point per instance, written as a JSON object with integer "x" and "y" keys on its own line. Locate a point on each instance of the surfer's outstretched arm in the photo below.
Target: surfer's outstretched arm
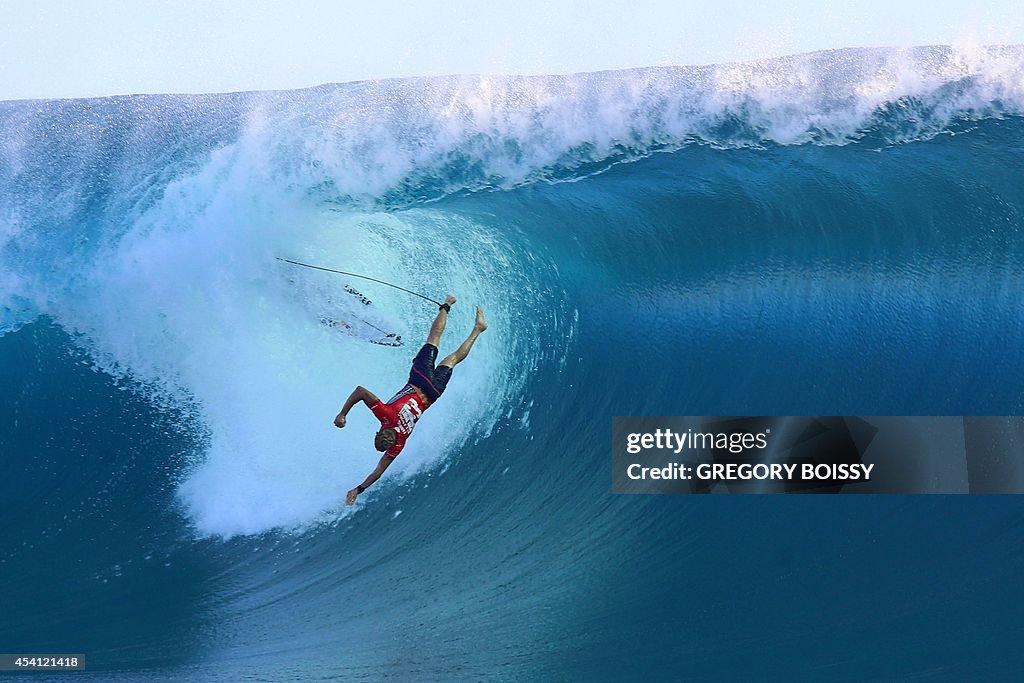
{"x": 437, "y": 327}
{"x": 384, "y": 463}
{"x": 359, "y": 394}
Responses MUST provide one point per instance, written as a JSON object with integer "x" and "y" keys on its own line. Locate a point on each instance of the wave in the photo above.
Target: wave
{"x": 832, "y": 233}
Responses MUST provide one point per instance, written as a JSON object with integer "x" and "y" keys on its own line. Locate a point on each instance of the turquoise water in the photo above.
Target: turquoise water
{"x": 838, "y": 233}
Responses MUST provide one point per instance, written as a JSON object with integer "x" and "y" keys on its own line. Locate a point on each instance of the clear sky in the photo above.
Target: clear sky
{"x": 78, "y": 48}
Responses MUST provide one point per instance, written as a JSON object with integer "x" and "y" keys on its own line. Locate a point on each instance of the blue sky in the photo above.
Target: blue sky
{"x": 102, "y": 47}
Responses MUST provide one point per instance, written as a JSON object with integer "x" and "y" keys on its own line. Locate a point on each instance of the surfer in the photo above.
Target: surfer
{"x": 426, "y": 384}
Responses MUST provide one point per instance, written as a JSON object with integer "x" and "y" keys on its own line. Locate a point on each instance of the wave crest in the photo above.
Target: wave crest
{"x": 401, "y": 141}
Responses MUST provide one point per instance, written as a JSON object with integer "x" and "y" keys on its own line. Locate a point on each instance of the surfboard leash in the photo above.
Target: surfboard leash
{"x": 364, "y": 277}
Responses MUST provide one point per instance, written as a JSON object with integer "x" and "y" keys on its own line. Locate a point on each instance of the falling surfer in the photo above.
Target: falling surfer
{"x": 426, "y": 384}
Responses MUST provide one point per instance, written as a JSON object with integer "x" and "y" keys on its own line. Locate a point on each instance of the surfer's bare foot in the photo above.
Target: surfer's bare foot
{"x": 449, "y": 299}
{"x": 481, "y": 322}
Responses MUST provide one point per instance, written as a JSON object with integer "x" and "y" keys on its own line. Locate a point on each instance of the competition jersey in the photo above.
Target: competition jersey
{"x": 401, "y": 414}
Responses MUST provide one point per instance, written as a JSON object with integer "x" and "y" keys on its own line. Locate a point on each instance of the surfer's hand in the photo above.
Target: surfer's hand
{"x": 351, "y": 497}
{"x": 449, "y": 299}
{"x": 340, "y": 421}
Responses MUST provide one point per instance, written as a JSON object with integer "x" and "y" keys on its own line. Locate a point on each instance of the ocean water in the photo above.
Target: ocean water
{"x": 833, "y": 233}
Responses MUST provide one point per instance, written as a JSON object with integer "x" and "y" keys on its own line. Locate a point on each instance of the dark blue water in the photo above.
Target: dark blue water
{"x": 172, "y": 484}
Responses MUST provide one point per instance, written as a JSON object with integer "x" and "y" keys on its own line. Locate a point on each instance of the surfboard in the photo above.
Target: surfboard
{"x": 367, "y": 323}
{"x": 342, "y": 307}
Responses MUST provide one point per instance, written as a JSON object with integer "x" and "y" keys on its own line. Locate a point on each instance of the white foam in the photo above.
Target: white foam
{"x": 368, "y": 139}
{"x": 193, "y": 303}
{"x": 190, "y": 302}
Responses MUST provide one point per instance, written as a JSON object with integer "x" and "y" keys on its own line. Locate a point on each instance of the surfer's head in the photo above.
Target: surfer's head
{"x": 385, "y": 439}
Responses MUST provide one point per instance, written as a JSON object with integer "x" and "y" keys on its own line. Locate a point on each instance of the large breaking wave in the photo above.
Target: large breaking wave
{"x": 836, "y": 232}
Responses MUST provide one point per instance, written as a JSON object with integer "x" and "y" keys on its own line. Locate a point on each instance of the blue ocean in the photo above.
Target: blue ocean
{"x": 837, "y": 233}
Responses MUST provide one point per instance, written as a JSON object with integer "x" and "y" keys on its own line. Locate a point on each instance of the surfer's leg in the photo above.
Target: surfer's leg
{"x": 460, "y": 353}
{"x": 437, "y": 327}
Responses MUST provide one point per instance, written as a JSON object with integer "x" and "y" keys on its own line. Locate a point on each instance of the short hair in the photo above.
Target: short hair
{"x": 385, "y": 439}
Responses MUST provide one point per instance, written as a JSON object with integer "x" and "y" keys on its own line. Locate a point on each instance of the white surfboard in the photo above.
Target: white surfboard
{"x": 367, "y": 323}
